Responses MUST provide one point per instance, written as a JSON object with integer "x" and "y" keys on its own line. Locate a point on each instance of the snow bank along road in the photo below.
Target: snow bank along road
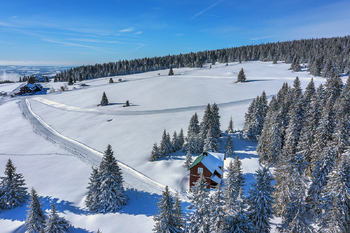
{"x": 132, "y": 178}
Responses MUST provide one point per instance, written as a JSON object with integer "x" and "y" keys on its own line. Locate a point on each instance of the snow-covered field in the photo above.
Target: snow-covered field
{"x": 158, "y": 103}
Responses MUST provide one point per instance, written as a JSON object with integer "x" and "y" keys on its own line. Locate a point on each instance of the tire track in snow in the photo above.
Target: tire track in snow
{"x": 141, "y": 112}
{"x": 132, "y": 178}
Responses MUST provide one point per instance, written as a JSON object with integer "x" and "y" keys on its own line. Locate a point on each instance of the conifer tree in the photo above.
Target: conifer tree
{"x": 104, "y": 100}
{"x": 230, "y": 129}
{"x": 35, "y": 220}
{"x": 296, "y": 217}
{"x": 92, "y": 198}
{"x": 336, "y": 204}
{"x": 111, "y": 80}
{"x": 12, "y": 188}
{"x": 111, "y": 195}
{"x": 55, "y": 223}
{"x": 260, "y": 201}
{"x": 229, "y": 148}
{"x": 70, "y": 81}
{"x": 206, "y": 121}
{"x": 165, "y": 220}
{"x": 155, "y": 154}
{"x": 241, "y": 76}
{"x": 193, "y": 127}
{"x": 315, "y": 192}
{"x": 171, "y": 72}
{"x": 178, "y": 214}
{"x": 215, "y": 121}
{"x": 188, "y": 160}
{"x": 181, "y": 139}
{"x": 199, "y": 220}
{"x": 217, "y": 217}
{"x": 210, "y": 142}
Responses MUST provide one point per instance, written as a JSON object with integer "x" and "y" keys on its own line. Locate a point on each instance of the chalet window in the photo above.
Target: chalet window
{"x": 200, "y": 170}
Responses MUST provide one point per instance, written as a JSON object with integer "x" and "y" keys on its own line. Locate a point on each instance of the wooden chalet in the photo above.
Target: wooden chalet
{"x": 30, "y": 89}
{"x": 211, "y": 165}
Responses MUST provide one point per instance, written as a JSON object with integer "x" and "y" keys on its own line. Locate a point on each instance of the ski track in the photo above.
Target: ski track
{"x": 132, "y": 178}
{"x": 141, "y": 112}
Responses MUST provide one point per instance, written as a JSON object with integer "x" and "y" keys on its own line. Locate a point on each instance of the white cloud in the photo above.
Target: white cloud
{"x": 14, "y": 16}
{"x": 69, "y": 44}
{"x": 127, "y": 30}
{"x": 138, "y": 33}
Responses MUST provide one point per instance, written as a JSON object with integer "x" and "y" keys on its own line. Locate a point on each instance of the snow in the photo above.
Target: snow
{"x": 158, "y": 103}
{"x": 213, "y": 162}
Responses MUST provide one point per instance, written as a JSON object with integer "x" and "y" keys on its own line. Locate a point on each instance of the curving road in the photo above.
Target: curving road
{"x": 132, "y": 178}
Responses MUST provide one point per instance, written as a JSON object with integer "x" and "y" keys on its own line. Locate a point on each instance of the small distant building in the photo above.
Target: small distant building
{"x": 30, "y": 89}
{"x": 211, "y": 165}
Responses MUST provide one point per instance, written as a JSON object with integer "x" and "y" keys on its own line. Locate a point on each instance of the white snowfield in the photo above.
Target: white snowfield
{"x": 132, "y": 178}
{"x": 74, "y": 126}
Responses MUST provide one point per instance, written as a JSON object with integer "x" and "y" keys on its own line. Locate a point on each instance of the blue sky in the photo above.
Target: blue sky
{"x": 38, "y": 32}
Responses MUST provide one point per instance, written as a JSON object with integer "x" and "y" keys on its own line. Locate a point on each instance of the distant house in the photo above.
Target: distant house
{"x": 211, "y": 165}
{"x": 30, "y": 89}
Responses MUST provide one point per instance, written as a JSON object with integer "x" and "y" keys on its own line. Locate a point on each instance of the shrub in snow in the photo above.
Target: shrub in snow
{"x": 171, "y": 72}
{"x": 12, "y": 190}
{"x": 111, "y": 80}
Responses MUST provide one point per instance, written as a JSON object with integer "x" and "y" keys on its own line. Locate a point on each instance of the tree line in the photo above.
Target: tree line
{"x": 325, "y": 56}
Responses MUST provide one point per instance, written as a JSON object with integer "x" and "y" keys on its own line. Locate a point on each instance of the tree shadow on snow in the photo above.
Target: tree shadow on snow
{"x": 140, "y": 203}
{"x": 20, "y": 213}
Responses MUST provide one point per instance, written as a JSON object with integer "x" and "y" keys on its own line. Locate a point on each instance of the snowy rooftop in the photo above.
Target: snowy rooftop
{"x": 212, "y": 161}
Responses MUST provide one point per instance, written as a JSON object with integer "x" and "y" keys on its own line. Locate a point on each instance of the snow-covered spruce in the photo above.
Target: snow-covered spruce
{"x": 104, "y": 100}
{"x": 229, "y": 147}
{"x": 12, "y": 188}
{"x": 199, "y": 220}
{"x": 36, "y": 217}
{"x": 188, "y": 160}
{"x": 230, "y": 128}
{"x": 106, "y": 192}
{"x": 55, "y": 223}
{"x": 241, "y": 76}
{"x": 260, "y": 201}
{"x": 167, "y": 219}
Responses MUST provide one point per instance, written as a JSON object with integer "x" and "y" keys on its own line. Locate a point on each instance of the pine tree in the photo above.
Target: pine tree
{"x": 336, "y": 200}
{"x": 181, "y": 139}
{"x": 174, "y": 142}
{"x": 199, "y": 220}
{"x": 55, "y": 223}
{"x": 178, "y": 214}
{"x": 171, "y": 72}
{"x": 111, "y": 195}
{"x": 230, "y": 129}
{"x": 210, "y": 142}
{"x": 70, "y": 81}
{"x": 155, "y": 154}
{"x": 229, "y": 148}
{"x": 241, "y": 76}
{"x": 35, "y": 220}
{"x": 92, "y": 198}
{"x": 217, "y": 217}
{"x": 260, "y": 201}
{"x": 215, "y": 121}
{"x": 323, "y": 167}
{"x": 104, "y": 100}
{"x": 188, "y": 160}
{"x": 12, "y": 190}
{"x": 206, "y": 121}
{"x": 165, "y": 219}
{"x": 193, "y": 127}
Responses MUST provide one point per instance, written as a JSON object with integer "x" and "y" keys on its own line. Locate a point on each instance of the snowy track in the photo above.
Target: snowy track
{"x": 132, "y": 178}
{"x": 141, "y": 112}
